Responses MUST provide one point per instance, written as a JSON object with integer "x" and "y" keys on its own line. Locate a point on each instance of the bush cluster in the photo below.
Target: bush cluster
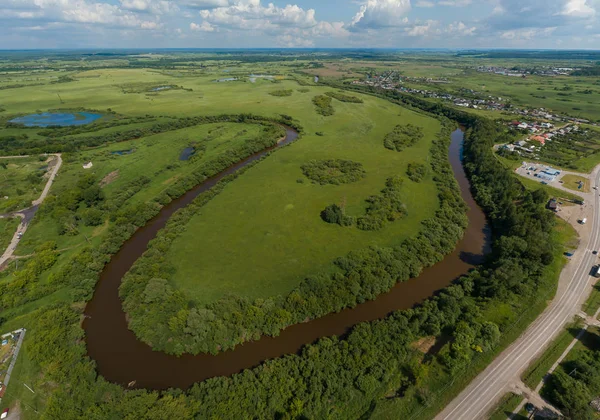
{"x": 333, "y": 171}
{"x": 344, "y": 98}
{"x": 323, "y": 105}
{"x": 416, "y": 171}
{"x": 403, "y": 136}
{"x": 282, "y": 92}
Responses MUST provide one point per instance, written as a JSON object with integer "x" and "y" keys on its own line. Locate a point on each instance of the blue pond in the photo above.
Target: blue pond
{"x": 55, "y": 118}
{"x": 187, "y": 153}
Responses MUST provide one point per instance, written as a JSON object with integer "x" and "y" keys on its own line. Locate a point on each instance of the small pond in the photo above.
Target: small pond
{"x": 122, "y": 152}
{"x": 62, "y": 119}
{"x": 227, "y": 79}
{"x": 156, "y": 89}
{"x": 187, "y": 153}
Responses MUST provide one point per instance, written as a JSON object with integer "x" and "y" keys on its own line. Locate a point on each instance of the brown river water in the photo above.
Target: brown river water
{"x": 121, "y": 358}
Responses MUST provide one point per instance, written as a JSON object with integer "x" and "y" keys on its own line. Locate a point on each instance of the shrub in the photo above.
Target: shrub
{"x": 323, "y": 104}
{"x": 416, "y": 171}
{"x": 344, "y": 98}
{"x": 403, "y": 136}
{"x": 282, "y": 92}
{"x": 333, "y": 171}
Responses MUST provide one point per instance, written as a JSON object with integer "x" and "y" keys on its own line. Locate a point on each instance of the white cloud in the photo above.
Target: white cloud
{"x": 424, "y": 3}
{"x": 427, "y": 28}
{"x": 526, "y": 34}
{"x": 455, "y": 3}
{"x": 578, "y": 8}
{"x": 459, "y": 28}
{"x": 381, "y": 13}
{"x": 149, "y": 6}
{"x": 206, "y": 4}
{"x": 203, "y": 27}
{"x": 76, "y": 11}
{"x": 251, "y": 14}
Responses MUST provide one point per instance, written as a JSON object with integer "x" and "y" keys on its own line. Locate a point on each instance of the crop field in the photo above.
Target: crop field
{"x": 21, "y": 181}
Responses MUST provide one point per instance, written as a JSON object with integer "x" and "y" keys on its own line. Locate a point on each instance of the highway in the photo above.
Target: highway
{"x": 485, "y": 391}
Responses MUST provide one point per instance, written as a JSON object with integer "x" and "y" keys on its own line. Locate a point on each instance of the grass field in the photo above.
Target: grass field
{"x": 285, "y": 240}
{"x": 592, "y": 304}
{"x": 269, "y": 232}
{"x": 573, "y": 182}
{"x": 8, "y": 227}
{"x": 156, "y": 157}
{"x": 21, "y": 181}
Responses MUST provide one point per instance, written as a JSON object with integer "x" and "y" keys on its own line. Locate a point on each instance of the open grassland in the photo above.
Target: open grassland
{"x": 270, "y": 235}
{"x": 21, "y": 181}
{"x": 117, "y": 165}
{"x": 576, "y": 183}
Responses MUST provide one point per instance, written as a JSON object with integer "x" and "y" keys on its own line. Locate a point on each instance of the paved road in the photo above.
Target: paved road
{"x": 27, "y": 214}
{"x": 488, "y": 387}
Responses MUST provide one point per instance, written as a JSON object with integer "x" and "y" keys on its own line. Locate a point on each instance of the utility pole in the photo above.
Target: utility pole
{"x": 61, "y": 101}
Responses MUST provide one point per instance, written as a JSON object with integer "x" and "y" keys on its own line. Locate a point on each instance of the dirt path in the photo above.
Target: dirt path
{"x": 27, "y": 214}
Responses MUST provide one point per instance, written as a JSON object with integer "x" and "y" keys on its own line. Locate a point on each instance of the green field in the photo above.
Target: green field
{"x": 269, "y": 233}
{"x": 155, "y": 157}
{"x": 21, "y": 181}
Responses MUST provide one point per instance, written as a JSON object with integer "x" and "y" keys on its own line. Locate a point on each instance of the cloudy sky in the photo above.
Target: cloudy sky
{"x": 303, "y": 23}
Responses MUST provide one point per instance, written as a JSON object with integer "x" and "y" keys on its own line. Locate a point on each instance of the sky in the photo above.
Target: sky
{"x": 533, "y": 24}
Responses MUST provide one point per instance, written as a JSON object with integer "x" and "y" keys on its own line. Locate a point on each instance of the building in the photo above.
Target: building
{"x": 540, "y": 139}
{"x": 552, "y": 204}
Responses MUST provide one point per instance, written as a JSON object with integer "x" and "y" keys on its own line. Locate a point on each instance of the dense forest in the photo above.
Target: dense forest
{"x": 336, "y": 378}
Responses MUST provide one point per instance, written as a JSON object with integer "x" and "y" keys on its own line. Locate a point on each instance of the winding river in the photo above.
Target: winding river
{"x": 122, "y": 358}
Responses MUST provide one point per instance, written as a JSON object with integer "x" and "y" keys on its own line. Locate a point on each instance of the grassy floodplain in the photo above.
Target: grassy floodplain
{"x": 269, "y": 232}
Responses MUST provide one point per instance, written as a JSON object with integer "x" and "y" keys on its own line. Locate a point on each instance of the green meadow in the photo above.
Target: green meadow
{"x": 8, "y": 227}
{"x": 263, "y": 234}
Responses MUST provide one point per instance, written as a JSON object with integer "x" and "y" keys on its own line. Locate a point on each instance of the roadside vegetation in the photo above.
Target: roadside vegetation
{"x": 8, "y": 227}
{"x": 21, "y": 181}
{"x": 576, "y": 382}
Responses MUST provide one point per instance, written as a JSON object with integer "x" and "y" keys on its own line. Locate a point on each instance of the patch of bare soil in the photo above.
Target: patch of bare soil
{"x": 424, "y": 344}
{"x": 111, "y": 177}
